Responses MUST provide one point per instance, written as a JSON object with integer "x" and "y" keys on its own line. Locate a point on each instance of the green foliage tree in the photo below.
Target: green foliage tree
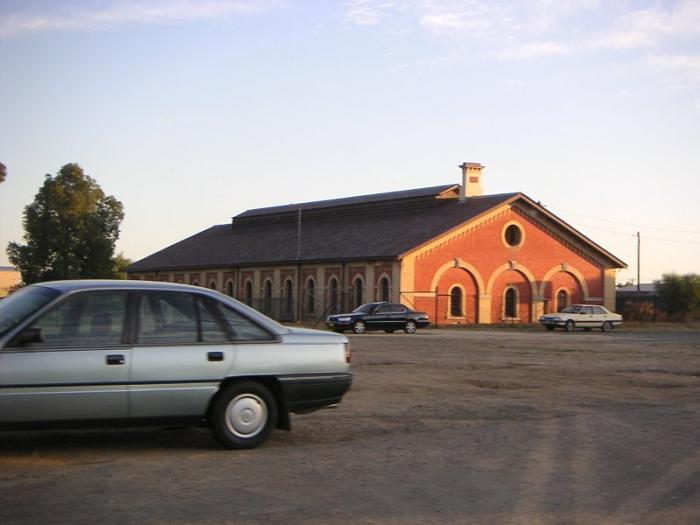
{"x": 70, "y": 230}
{"x": 119, "y": 266}
{"x": 681, "y": 294}
{"x": 3, "y": 172}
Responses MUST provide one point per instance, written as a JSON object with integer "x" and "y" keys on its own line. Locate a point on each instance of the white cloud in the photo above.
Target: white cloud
{"x": 651, "y": 27}
{"x": 129, "y": 11}
{"x": 369, "y": 12}
{"x": 531, "y": 50}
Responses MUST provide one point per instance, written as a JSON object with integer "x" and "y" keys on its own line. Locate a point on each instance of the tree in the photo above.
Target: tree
{"x": 70, "y": 230}
{"x": 119, "y": 266}
{"x": 3, "y": 172}
{"x": 681, "y": 294}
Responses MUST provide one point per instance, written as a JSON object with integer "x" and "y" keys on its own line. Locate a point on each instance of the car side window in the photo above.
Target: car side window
{"x": 167, "y": 318}
{"x": 212, "y": 322}
{"x": 398, "y": 309}
{"x": 598, "y": 310}
{"x": 383, "y": 309}
{"x": 84, "y": 320}
{"x": 242, "y": 328}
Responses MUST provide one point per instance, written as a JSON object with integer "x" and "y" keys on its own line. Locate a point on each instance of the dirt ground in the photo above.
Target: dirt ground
{"x": 444, "y": 426}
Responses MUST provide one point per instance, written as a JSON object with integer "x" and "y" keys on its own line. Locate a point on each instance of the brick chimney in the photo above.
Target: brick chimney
{"x": 471, "y": 180}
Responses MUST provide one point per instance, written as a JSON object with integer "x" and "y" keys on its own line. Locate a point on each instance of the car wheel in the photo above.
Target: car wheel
{"x": 389, "y": 330}
{"x": 569, "y": 326}
{"x": 606, "y": 327}
{"x": 410, "y": 327}
{"x": 359, "y": 327}
{"x": 549, "y": 327}
{"x": 243, "y": 415}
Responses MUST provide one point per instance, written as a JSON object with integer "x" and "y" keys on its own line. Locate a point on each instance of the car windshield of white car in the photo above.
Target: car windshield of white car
{"x": 23, "y": 303}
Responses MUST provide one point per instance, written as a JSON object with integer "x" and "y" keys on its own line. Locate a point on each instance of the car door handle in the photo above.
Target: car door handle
{"x": 115, "y": 359}
{"x": 215, "y": 356}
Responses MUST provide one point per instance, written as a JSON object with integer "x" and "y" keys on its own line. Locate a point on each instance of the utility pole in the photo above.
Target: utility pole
{"x": 639, "y": 242}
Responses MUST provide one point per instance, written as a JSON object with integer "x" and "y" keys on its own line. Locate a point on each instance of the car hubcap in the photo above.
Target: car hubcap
{"x": 246, "y": 415}
{"x": 410, "y": 328}
{"x": 359, "y": 328}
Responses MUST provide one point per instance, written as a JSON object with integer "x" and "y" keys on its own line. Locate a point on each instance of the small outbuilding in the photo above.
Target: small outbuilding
{"x": 461, "y": 256}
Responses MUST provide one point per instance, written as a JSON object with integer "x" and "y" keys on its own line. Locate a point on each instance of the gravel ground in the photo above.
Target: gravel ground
{"x": 444, "y": 426}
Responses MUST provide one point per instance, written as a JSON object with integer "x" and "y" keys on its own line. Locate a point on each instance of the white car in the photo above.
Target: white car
{"x": 586, "y": 316}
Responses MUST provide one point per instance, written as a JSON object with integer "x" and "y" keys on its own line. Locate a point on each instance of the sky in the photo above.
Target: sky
{"x": 190, "y": 112}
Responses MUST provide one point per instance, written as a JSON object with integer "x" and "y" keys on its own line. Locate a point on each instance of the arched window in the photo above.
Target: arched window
{"x": 333, "y": 295}
{"x": 456, "y": 302}
{"x": 510, "y": 303}
{"x": 562, "y": 299}
{"x": 384, "y": 289}
{"x": 212, "y": 285}
{"x": 310, "y": 295}
{"x": 229, "y": 288}
{"x": 248, "y": 293}
{"x": 267, "y": 297}
{"x": 288, "y": 297}
{"x": 358, "y": 291}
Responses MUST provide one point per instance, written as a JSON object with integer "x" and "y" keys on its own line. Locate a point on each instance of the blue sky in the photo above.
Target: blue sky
{"x": 190, "y": 112}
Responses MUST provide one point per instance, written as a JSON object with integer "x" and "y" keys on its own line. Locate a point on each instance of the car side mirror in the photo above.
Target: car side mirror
{"x": 28, "y": 336}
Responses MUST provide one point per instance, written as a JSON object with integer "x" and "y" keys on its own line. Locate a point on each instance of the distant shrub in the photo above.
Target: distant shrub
{"x": 681, "y": 294}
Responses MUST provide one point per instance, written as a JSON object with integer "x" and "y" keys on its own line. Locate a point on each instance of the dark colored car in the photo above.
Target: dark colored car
{"x": 379, "y": 316}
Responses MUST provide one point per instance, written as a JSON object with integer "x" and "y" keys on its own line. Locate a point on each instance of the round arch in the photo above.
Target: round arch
{"x": 458, "y": 263}
{"x": 383, "y": 287}
{"x": 568, "y": 269}
{"x": 529, "y": 276}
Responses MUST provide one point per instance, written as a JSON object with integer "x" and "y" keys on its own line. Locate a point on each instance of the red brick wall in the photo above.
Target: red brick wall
{"x": 483, "y": 248}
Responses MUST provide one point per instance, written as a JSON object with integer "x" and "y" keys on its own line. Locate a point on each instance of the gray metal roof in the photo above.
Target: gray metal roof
{"x": 381, "y": 226}
{"x": 366, "y": 227}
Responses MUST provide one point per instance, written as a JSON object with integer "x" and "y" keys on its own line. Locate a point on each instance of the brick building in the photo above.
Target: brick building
{"x": 461, "y": 256}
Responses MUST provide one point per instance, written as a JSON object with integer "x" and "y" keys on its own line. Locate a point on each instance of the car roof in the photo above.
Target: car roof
{"x": 114, "y": 284}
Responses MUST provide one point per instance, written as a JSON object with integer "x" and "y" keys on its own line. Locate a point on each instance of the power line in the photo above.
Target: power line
{"x": 636, "y": 226}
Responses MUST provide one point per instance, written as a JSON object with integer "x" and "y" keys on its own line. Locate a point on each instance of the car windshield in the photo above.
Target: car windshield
{"x": 571, "y": 309}
{"x": 365, "y": 308}
{"x": 19, "y": 305}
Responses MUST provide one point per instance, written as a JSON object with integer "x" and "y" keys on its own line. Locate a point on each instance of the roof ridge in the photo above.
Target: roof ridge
{"x": 348, "y": 201}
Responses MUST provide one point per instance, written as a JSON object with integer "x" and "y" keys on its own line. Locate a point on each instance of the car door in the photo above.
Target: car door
{"x": 79, "y": 370}
{"x": 588, "y": 319}
{"x": 600, "y": 315}
{"x": 181, "y": 353}
{"x": 399, "y": 315}
{"x": 380, "y": 317}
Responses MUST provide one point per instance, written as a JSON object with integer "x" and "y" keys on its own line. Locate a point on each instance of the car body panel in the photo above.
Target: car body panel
{"x": 63, "y": 384}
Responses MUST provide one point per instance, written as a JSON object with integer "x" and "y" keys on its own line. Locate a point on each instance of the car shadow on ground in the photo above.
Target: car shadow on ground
{"x": 100, "y": 440}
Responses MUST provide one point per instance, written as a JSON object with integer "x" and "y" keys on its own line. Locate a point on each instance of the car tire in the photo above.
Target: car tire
{"x": 389, "y": 330}
{"x": 243, "y": 415}
{"x": 549, "y": 327}
{"x": 606, "y": 326}
{"x": 359, "y": 327}
{"x": 410, "y": 327}
{"x": 569, "y": 326}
